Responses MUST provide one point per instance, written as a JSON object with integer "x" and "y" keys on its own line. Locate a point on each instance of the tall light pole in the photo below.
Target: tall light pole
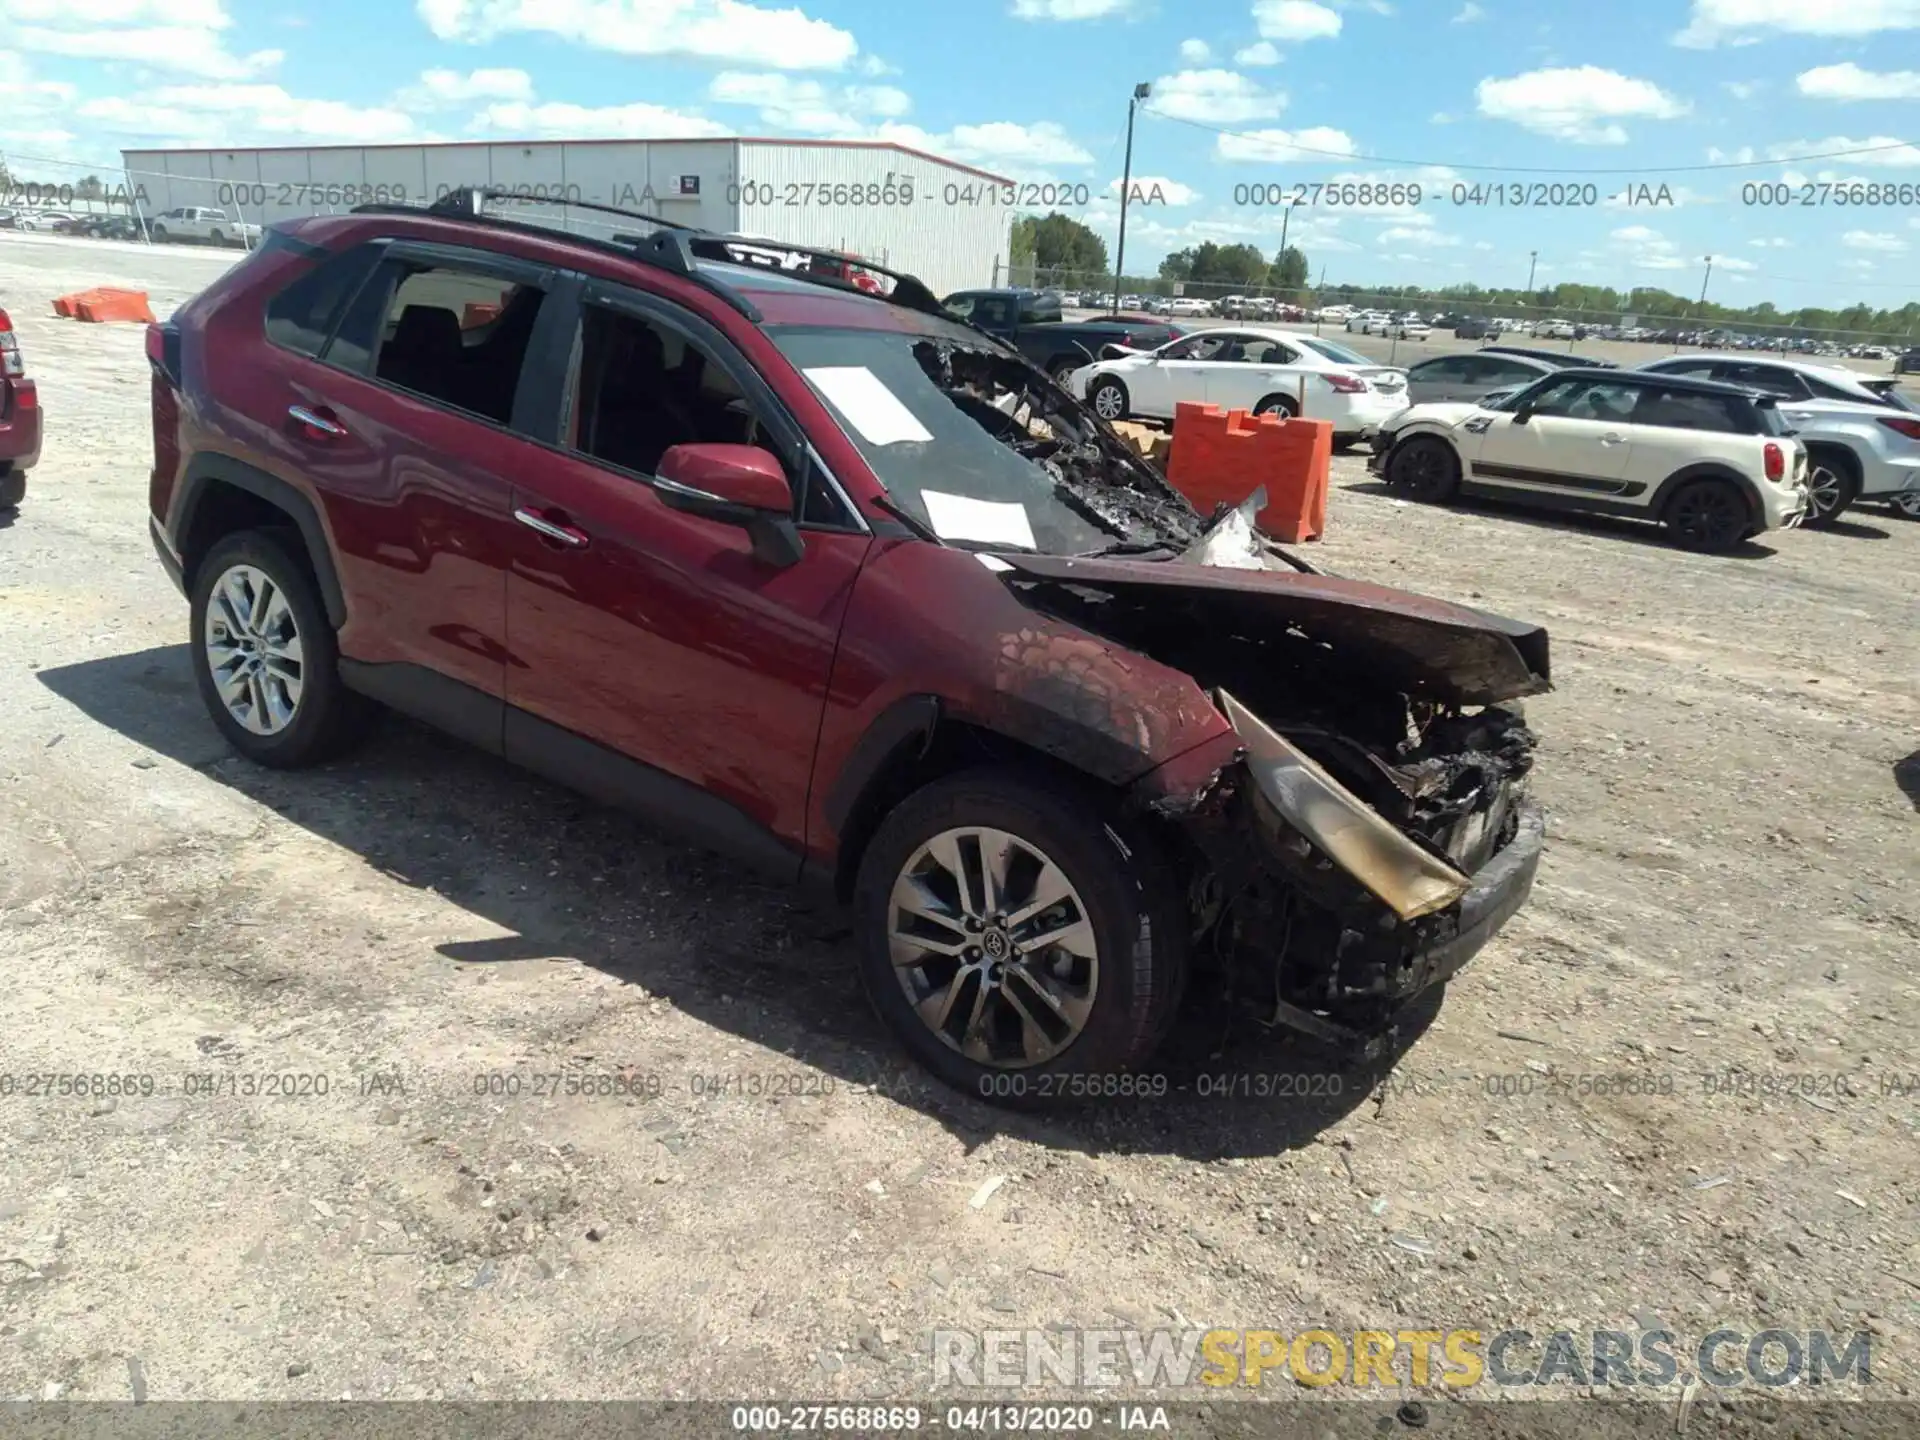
{"x": 1704, "y": 279}
{"x": 1286, "y": 215}
{"x": 1140, "y": 92}
{"x": 1533, "y": 259}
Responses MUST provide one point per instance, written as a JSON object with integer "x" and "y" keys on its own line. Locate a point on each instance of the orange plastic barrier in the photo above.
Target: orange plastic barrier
{"x": 478, "y": 312}
{"x": 104, "y": 303}
{"x": 1220, "y": 455}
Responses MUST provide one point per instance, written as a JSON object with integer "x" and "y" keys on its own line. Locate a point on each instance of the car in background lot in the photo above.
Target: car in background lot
{"x": 1472, "y": 376}
{"x": 1031, "y": 322}
{"x": 824, "y": 580}
{"x": 1475, "y": 328}
{"x": 1907, "y": 362}
{"x": 1405, "y": 327}
{"x": 20, "y": 418}
{"x": 1862, "y": 435}
{"x": 1563, "y": 358}
{"x": 1716, "y": 464}
{"x": 1357, "y": 321}
{"x": 111, "y": 227}
{"x": 204, "y": 225}
{"x": 1249, "y": 368}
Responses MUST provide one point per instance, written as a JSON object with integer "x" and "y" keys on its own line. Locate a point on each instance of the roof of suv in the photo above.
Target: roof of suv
{"x": 1687, "y": 383}
{"x": 1833, "y": 374}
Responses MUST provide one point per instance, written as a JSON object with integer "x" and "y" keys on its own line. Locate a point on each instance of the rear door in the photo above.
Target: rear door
{"x": 656, "y": 659}
{"x": 1250, "y": 367}
{"x": 411, "y": 423}
{"x": 1177, "y": 373}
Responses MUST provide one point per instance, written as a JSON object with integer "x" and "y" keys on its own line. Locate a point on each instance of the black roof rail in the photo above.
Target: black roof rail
{"x": 675, "y": 246}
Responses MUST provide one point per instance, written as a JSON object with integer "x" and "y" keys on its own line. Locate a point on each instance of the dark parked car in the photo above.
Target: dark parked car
{"x": 1470, "y": 377}
{"x": 1561, "y": 358}
{"x": 832, "y": 582}
{"x": 1907, "y": 363}
{"x": 19, "y": 418}
{"x": 1474, "y": 328}
{"x": 1029, "y": 320}
{"x": 111, "y": 227}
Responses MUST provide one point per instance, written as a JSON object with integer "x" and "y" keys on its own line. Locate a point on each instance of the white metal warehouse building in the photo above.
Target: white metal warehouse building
{"x": 945, "y": 222}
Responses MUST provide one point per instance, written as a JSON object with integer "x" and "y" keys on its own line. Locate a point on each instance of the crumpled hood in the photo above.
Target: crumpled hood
{"x": 1427, "y": 647}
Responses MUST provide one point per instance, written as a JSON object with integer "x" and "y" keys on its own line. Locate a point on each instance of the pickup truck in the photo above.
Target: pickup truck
{"x": 1029, "y": 320}
{"x": 204, "y": 224}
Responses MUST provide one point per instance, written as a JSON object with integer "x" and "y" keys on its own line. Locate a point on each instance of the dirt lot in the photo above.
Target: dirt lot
{"x": 1731, "y": 760}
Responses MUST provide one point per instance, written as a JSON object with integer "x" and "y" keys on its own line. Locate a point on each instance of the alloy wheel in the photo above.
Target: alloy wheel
{"x": 253, "y": 650}
{"x": 1107, "y": 402}
{"x": 1908, "y": 504}
{"x": 1709, "y": 517}
{"x": 1826, "y": 491}
{"x": 993, "y": 947}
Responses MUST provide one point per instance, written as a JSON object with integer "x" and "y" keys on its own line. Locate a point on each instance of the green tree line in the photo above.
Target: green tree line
{"x": 1057, "y": 250}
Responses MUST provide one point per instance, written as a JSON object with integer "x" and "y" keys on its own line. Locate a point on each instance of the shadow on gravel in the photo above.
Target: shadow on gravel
{"x": 1640, "y": 532}
{"x": 1906, "y": 774}
{"x": 1854, "y": 530}
{"x": 572, "y": 880}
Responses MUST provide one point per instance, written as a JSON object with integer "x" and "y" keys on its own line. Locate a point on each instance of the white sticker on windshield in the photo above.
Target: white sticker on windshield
{"x": 992, "y": 522}
{"x": 863, "y": 398}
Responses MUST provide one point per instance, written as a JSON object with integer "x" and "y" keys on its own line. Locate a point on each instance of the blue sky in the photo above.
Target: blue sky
{"x": 1245, "y": 92}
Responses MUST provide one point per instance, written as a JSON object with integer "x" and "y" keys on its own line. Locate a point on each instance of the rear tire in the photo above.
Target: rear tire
{"x": 158, "y": 232}
{"x": 13, "y": 489}
{"x": 1285, "y": 406}
{"x": 1907, "y": 504}
{"x": 1709, "y": 517}
{"x": 1426, "y": 468}
{"x": 1108, "y": 397}
{"x": 1111, "y": 877}
{"x": 296, "y": 711}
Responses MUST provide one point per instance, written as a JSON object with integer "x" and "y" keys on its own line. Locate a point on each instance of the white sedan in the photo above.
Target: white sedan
{"x": 1266, "y": 371}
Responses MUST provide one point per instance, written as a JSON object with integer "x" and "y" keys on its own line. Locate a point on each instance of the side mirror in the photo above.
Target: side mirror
{"x": 1522, "y": 415}
{"x": 735, "y": 485}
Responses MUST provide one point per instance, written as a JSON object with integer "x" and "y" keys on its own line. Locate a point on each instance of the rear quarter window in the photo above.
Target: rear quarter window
{"x": 303, "y": 315}
{"x": 1692, "y": 410}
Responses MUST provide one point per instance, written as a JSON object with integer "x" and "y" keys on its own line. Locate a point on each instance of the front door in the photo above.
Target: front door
{"x": 655, "y": 658}
{"x": 1577, "y": 441}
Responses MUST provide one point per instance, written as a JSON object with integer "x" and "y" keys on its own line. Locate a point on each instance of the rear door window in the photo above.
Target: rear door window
{"x": 1692, "y": 410}
{"x": 453, "y": 335}
{"x": 1769, "y": 379}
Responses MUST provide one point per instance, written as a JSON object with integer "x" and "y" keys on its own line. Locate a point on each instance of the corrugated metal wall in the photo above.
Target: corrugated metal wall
{"x": 942, "y": 223}
{"x": 945, "y": 224}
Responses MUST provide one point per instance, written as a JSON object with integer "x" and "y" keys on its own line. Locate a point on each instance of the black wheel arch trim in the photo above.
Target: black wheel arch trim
{"x": 1708, "y": 470}
{"x": 907, "y": 724}
{"x": 1840, "y": 448}
{"x": 208, "y": 468}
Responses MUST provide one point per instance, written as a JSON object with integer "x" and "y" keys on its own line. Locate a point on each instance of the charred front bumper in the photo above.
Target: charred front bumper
{"x": 1339, "y": 914}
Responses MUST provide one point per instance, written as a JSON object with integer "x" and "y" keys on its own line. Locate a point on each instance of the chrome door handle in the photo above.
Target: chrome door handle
{"x": 313, "y": 420}
{"x": 1612, "y": 439}
{"x": 560, "y": 534}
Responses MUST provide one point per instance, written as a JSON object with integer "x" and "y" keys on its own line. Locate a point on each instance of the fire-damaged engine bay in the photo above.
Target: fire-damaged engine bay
{"x": 1384, "y": 762}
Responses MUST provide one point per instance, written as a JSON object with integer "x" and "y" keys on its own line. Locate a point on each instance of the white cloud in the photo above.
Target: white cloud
{"x": 1412, "y": 234}
{"x": 184, "y": 49}
{"x": 1066, "y": 9}
{"x": 1733, "y": 263}
{"x": 1261, "y": 52}
{"x": 1468, "y": 13}
{"x": 1294, "y": 20}
{"x": 1879, "y": 150}
{"x": 1719, "y": 22}
{"x": 1859, "y": 267}
{"x": 1850, "y": 82}
{"x": 1580, "y": 104}
{"x": 1195, "y": 52}
{"x": 1776, "y": 243}
{"x": 439, "y": 89}
{"x": 1214, "y": 97}
{"x": 1154, "y": 190}
{"x": 1317, "y": 142}
{"x": 730, "y": 30}
{"x": 195, "y": 14}
{"x": 245, "y": 114}
{"x": 1741, "y": 89}
{"x": 561, "y": 120}
{"x": 788, "y": 104}
{"x": 1873, "y": 240}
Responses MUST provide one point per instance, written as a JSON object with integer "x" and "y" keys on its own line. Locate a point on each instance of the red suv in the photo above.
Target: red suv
{"x": 19, "y": 418}
{"x": 838, "y": 584}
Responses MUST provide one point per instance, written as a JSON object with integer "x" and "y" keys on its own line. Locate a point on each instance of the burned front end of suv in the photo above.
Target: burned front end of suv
{"x": 1364, "y": 825}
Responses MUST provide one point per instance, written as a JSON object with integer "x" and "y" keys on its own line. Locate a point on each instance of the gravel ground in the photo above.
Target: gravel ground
{"x": 1731, "y": 765}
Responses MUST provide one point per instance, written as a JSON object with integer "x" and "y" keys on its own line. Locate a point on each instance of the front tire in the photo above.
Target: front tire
{"x": 1832, "y": 486}
{"x": 1426, "y": 468}
{"x": 265, "y": 656}
{"x": 13, "y": 489}
{"x": 1108, "y": 397}
{"x": 1907, "y": 504}
{"x": 1708, "y": 517}
{"x": 1014, "y": 943}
